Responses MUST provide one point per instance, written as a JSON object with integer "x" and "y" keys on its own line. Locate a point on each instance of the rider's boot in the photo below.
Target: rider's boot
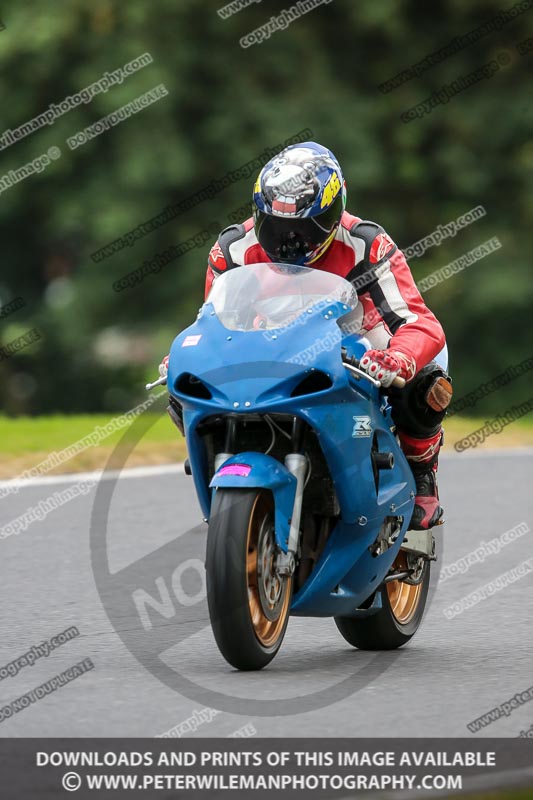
{"x": 423, "y": 456}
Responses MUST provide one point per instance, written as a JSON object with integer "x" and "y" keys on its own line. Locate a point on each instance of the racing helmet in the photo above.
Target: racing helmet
{"x": 299, "y": 198}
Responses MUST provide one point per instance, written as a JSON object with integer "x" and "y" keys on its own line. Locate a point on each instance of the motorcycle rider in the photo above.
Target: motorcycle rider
{"x": 299, "y": 218}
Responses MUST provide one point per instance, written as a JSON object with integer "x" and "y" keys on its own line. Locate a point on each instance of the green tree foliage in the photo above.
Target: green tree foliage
{"x": 225, "y": 105}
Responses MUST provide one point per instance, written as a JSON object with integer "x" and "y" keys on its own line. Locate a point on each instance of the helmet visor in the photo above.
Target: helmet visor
{"x": 295, "y": 240}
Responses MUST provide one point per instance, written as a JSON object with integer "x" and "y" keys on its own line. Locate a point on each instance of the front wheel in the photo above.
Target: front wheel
{"x": 248, "y": 602}
{"x": 397, "y": 621}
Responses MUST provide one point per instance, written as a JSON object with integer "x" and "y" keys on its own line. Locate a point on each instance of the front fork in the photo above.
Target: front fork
{"x": 296, "y": 464}
{"x": 229, "y": 445}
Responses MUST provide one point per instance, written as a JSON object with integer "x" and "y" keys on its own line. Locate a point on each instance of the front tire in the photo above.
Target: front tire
{"x": 397, "y": 621}
{"x": 248, "y": 603}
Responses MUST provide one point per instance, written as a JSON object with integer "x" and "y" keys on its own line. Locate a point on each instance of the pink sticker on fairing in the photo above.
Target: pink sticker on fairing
{"x": 242, "y": 470}
{"x": 191, "y": 341}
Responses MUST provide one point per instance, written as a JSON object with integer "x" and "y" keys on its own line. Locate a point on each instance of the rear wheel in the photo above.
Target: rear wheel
{"x": 397, "y": 621}
{"x": 248, "y": 602}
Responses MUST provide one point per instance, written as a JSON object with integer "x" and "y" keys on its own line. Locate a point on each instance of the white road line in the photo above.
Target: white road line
{"x": 503, "y": 452}
{"x": 71, "y": 477}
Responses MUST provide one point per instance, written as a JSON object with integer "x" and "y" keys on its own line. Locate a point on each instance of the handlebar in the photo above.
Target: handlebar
{"x": 352, "y": 364}
{"x": 160, "y": 382}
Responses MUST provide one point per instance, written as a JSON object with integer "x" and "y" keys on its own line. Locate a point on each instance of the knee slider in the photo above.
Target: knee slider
{"x": 440, "y": 393}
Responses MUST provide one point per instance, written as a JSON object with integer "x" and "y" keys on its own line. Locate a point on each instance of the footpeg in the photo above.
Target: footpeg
{"x": 421, "y": 543}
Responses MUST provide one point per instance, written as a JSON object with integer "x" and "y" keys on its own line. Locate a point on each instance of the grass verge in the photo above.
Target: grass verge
{"x": 27, "y": 441}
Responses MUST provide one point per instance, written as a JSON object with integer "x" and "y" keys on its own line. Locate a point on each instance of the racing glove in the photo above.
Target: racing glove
{"x": 163, "y": 368}
{"x": 385, "y": 365}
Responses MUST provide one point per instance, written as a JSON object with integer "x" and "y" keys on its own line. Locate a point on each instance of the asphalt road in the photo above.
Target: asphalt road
{"x": 453, "y": 671}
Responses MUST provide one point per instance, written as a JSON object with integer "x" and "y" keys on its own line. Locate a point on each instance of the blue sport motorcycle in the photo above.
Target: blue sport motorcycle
{"x": 294, "y": 457}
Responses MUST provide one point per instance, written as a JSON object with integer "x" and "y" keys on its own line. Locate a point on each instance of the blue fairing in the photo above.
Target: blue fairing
{"x": 254, "y": 372}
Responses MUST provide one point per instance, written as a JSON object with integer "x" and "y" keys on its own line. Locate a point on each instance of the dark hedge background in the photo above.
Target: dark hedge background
{"x": 226, "y": 105}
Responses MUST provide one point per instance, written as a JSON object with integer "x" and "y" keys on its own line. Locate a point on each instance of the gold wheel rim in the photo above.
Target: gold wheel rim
{"x": 403, "y": 597}
{"x": 268, "y": 595}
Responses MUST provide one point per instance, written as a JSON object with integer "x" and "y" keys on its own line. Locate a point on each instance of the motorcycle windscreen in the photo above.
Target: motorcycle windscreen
{"x": 267, "y": 296}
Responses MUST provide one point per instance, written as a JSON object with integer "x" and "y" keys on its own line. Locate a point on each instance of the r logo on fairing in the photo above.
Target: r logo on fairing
{"x": 361, "y": 427}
